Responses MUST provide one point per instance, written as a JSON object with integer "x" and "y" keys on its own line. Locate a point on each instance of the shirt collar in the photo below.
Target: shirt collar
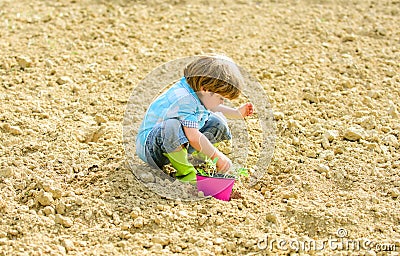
{"x": 190, "y": 89}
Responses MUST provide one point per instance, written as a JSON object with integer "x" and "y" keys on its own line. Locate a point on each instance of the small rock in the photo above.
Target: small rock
{"x": 348, "y": 83}
{"x": 217, "y": 250}
{"x": 3, "y": 234}
{"x": 135, "y": 213}
{"x": 108, "y": 212}
{"x": 239, "y": 234}
{"x": 272, "y": 218}
{"x": 395, "y": 193}
{"x": 250, "y": 243}
{"x": 391, "y": 140}
{"x": 330, "y": 135}
{"x": 230, "y": 246}
{"x": 393, "y": 111}
{"x": 160, "y": 207}
{"x": 160, "y": 239}
{"x": 90, "y": 134}
{"x": 374, "y": 199}
{"x": 56, "y": 192}
{"x": 310, "y": 153}
{"x": 184, "y": 195}
{"x": 78, "y": 201}
{"x": 385, "y": 129}
{"x": 125, "y": 226}
{"x": 325, "y": 143}
{"x": 348, "y": 38}
{"x": 264, "y": 191}
{"x": 158, "y": 220}
{"x": 183, "y": 214}
{"x": 63, "y": 80}
{"x": 75, "y": 88}
{"x": 48, "y": 210}
{"x": 6, "y": 172}
{"x": 156, "y": 248}
{"x": 125, "y": 235}
{"x": 373, "y": 94}
{"x": 367, "y": 122}
{"x": 338, "y": 150}
{"x": 98, "y": 133}
{"x": 64, "y": 221}
{"x": 49, "y": 63}
{"x": 295, "y": 141}
{"x": 14, "y": 130}
{"x": 218, "y": 240}
{"x": 138, "y": 222}
{"x": 202, "y": 220}
{"x": 68, "y": 244}
{"x": 122, "y": 244}
{"x": 294, "y": 124}
{"x": 61, "y": 249}
{"x": 81, "y": 136}
{"x": 310, "y": 97}
{"x": 326, "y": 45}
{"x": 321, "y": 168}
{"x": 61, "y": 207}
{"x": 24, "y": 61}
{"x": 370, "y": 253}
{"x": 279, "y": 115}
{"x": 354, "y": 133}
{"x": 368, "y": 102}
{"x": 100, "y": 119}
{"x": 146, "y": 177}
{"x": 289, "y": 194}
{"x": 46, "y": 185}
{"x": 340, "y": 174}
{"x": 44, "y": 198}
{"x": 219, "y": 221}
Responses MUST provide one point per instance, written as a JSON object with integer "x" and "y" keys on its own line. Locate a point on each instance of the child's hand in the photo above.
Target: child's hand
{"x": 246, "y": 109}
{"x": 223, "y": 163}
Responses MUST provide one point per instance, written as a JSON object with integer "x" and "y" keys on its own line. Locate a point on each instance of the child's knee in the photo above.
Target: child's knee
{"x": 217, "y": 130}
{"x": 218, "y": 122}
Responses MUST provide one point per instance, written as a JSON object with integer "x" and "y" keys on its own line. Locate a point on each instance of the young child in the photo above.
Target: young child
{"x": 183, "y": 118}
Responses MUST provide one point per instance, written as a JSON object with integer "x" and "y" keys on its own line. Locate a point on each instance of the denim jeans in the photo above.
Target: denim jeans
{"x": 167, "y": 136}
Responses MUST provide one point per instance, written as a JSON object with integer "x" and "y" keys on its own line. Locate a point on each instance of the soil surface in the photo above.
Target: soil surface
{"x": 330, "y": 70}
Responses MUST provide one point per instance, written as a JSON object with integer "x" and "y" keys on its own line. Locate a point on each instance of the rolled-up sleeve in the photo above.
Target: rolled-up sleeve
{"x": 190, "y": 124}
{"x": 187, "y": 113}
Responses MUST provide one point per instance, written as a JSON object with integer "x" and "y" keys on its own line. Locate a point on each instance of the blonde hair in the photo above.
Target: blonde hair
{"x": 215, "y": 73}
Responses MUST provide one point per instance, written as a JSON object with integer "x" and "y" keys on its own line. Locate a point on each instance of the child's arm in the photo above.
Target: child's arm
{"x": 200, "y": 142}
{"x": 241, "y": 112}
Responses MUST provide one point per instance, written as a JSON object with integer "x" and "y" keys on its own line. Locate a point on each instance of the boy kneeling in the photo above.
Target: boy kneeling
{"x": 183, "y": 120}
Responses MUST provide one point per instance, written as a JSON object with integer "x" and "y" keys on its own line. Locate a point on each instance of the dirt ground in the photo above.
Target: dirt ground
{"x": 330, "y": 70}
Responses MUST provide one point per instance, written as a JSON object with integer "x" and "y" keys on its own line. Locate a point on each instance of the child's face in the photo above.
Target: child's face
{"x": 210, "y": 99}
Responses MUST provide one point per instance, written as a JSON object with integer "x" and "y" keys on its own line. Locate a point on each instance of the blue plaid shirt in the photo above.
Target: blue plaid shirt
{"x": 179, "y": 102}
